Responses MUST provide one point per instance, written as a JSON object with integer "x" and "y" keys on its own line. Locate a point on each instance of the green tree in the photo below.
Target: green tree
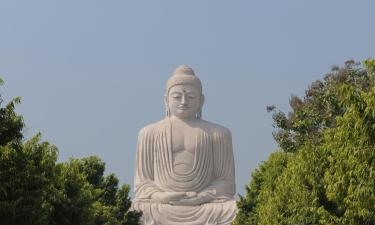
{"x": 11, "y": 124}
{"x": 122, "y": 206}
{"x": 110, "y": 189}
{"x": 328, "y": 174}
{"x": 27, "y": 171}
{"x": 262, "y": 183}
{"x": 319, "y": 108}
{"x": 36, "y": 190}
{"x": 88, "y": 197}
{"x": 112, "y": 204}
{"x": 74, "y": 203}
{"x": 27, "y": 175}
{"x": 93, "y": 168}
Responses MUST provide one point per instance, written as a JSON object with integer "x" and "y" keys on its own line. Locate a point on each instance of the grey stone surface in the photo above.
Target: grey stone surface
{"x": 184, "y": 164}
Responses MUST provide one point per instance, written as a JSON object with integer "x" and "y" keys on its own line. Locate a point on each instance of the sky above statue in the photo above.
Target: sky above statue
{"x": 91, "y": 73}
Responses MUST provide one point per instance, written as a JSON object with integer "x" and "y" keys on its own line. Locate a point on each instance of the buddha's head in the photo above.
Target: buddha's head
{"x": 184, "y": 98}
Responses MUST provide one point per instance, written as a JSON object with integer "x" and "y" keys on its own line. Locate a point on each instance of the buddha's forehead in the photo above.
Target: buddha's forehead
{"x": 182, "y": 88}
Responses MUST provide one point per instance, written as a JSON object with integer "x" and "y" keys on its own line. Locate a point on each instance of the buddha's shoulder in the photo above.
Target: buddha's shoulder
{"x": 214, "y": 128}
{"x": 207, "y": 126}
{"x": 154, "y": 127}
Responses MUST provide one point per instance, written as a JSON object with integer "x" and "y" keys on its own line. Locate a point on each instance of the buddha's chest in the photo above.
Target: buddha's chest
{"x": 184, "y": 139}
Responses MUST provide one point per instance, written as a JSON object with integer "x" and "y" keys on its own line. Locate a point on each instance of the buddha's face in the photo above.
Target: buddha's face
{"x": 184, "y": 101}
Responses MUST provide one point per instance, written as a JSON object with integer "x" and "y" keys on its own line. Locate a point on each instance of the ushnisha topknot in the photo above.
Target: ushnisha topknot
{"x": 184, "y": 75}
{"x": 183, "y": 69}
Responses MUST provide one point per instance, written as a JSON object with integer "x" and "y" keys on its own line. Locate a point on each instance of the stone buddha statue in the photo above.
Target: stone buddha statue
{"x": 184, "y": 164}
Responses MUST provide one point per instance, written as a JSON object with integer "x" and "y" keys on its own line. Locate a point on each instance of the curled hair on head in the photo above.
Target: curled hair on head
{"x": 184, "y": 75}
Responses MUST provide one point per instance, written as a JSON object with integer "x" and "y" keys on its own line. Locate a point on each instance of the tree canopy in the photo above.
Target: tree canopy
{"x": 324, "y": 170}
{"x": 37, "y": 190}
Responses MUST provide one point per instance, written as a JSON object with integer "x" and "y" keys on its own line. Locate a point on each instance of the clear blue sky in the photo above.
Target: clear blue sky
{"x": 92, "y": 73}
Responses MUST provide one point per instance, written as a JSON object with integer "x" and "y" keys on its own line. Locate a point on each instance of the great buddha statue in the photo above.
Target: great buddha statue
{"x": 184, "y": 164}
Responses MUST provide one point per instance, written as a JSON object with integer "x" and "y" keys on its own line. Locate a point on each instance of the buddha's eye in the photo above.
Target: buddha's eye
{"x": 176, "y": 96}
{"x": 191, "y": 97}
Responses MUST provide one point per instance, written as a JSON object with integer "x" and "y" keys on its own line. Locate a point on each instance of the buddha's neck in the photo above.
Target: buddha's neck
{"x": 184, "y": 120}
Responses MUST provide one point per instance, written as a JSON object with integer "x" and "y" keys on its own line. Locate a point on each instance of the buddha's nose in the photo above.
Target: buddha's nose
{"x": 184, "y": 100}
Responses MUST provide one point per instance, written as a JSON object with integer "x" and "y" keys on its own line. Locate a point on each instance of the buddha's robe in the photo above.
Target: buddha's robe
{"x": 212, "y": 171}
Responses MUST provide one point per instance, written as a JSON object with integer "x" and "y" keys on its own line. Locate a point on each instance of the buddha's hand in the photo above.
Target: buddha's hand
{"x": 198, "y": 199}
{"x": 166, "y": 197}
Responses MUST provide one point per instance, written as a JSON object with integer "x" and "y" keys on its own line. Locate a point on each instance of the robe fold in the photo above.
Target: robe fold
{"x": 212, "y": 171}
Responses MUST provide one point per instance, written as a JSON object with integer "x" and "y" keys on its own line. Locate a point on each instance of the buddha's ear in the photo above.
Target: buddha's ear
{"x": 166, "y": 99}
{"x": 167, "y": 113}
{"x": 202, "y": 100}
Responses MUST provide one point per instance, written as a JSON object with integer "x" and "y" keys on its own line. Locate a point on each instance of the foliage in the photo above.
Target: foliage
{"x": 27, "y": 174}
{"x": 262, "y": 183}
{"x": 35, "y": 189}
{"x": 11, "y": 124}
{"x": 328, "y": 178}
{"x": 319, "y": 108}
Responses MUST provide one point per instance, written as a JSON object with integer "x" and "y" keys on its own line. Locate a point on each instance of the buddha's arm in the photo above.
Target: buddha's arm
{"x": 144, "y": 175}
{"x": 223, "y": 184}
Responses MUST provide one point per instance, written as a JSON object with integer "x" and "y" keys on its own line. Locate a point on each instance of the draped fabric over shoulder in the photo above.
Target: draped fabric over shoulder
{"x": 212, "y": 171}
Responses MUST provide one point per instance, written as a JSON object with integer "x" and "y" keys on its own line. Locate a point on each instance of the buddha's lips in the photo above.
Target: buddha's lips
{"x": 184, "y": 108}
